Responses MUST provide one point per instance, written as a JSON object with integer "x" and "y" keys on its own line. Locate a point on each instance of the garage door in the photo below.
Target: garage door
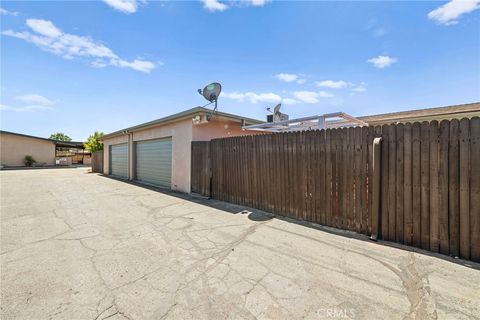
{"x": 119, "y": 160}
{"x": 154, "y": 162}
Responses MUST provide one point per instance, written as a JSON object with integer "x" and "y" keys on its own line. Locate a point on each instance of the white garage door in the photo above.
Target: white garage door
{"x": 119, "y": 160}
{"x": 154, "y": 162}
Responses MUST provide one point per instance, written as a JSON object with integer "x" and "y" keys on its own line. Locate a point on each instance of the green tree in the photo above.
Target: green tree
{"x": 60, "y": 136}
{"x": 93, "y": 144}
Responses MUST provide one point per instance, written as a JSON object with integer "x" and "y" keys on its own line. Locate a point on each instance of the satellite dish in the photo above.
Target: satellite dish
{"x": 211, "y": 91}
{"x": 276, "y": 110}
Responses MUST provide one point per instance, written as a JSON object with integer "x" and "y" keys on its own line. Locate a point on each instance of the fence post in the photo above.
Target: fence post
{"x": 376, "y": 188}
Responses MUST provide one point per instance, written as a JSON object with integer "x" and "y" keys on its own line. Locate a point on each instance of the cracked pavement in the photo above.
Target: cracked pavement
{"x": 76, "y": 245}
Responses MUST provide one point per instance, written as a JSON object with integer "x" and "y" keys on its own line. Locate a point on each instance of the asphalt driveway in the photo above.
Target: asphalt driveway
{"x": 76, "y": 245}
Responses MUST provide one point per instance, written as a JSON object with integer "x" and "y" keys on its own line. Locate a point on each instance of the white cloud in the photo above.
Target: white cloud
{"x": 290, "y": 77}
{"x": 340, "y": 84}
{"x": 44, "y": 27}
{"x": 125, "y": 6}
{"x": 376, "y": 28}
{"x": 69, "y": 46}
{"x": 35, "y": 99}
{"x": 270, "y": 97}
{"x": 286, "y": 77}
{"x": 311, "y": 96}
{"x": 255, "y": 98}
{"x": 306, "y": 96}
{"x": 450, "y": 12}
{"x": 138, "y": 65}
{"x": 214, "y": 5}
{"x": 382, "y": 61}
{"x": 289, "y": 101}
{"x": 257, "y": 3}
{"x": 379, "y": 32}
{"x": 234, "y": 95}
{"x": 263, "y": 97}
{"x": 362, "y": 87}
{"x": 324, "y": 94}
{"x": 8, "y": 13}
{"x": 30, "y": 108}
{"x": 217, "y": 5}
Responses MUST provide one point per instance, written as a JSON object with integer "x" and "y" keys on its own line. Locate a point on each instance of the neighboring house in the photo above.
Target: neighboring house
{"x": 15, "y": 146}
{"x": 443, "y": 113}
{"x": 159, "y": 152}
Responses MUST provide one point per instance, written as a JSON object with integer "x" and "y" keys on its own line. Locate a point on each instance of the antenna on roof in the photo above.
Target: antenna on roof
{"x": 211, "y": 93}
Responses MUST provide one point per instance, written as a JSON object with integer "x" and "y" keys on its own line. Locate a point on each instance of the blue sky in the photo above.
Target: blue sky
{"x": 77, "y": 67}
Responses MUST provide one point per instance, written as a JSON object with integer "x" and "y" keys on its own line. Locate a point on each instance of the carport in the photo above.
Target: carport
{"x": 70, "y": 152}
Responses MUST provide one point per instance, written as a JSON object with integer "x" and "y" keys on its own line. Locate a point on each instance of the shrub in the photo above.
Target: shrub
{"x": 28, "y": 160}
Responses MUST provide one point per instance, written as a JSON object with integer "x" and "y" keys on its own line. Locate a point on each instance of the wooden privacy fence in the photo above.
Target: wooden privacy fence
{"x": 429, "y": 180}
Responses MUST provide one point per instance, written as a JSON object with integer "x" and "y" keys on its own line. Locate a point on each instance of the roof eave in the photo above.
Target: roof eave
{"x": 175, "y": 118}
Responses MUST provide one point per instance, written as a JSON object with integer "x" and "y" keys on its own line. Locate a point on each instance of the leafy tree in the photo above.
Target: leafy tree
{"x": 93, "y": 144}
{"x": 60, "y": 136}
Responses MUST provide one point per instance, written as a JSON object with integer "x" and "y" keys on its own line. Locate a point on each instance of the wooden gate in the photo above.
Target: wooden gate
{"x": 200, "y": 169}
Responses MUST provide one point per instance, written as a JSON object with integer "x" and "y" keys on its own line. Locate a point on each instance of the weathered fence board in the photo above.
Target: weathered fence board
{"x": 391, "y": 182}
{"x": 475, "y": 189}
{"x": 434, "y": 240}
{"x": 416, "y": 203}
{"x": 407, "y": 184}
{"x": 400, "y": 134}
{"x": 425, "y": 185}
{"x": 464, "y": 188}
{"x": 453, "y": 199}
{"x": 429, "y": 180}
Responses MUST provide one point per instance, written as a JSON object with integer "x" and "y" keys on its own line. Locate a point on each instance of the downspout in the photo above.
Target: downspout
{"x": 131, "y": 161}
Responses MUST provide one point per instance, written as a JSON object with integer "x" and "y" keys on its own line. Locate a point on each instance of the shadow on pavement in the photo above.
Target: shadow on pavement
{"x": 260, "y": 215}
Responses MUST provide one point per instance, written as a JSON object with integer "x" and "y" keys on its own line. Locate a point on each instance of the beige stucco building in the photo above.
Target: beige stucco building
{"x": 159, "y": 152}
{"x": 14, "y": 147}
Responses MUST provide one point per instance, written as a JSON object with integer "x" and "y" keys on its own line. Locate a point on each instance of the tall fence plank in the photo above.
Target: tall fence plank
{"x": 328, "y": 176}
{"x": 407, "y": 185}
{"x": 453, "y": 194}
{"x": 433, "y": 134}
{"x": 475, "y": 189}
{"x": 321, "y": 182}
{"x": 363, "y": 188}
{"x": 399, "y": 183}
{"x": 425, "y": 185}
{"x": 384, "y": 196}
{"x": 392, "y": 192}
{"x": 464, "y": 150}
{"x": 416, "y": 181}
{"x": 443, "y": 186}
{"x": 357, "y": 153}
